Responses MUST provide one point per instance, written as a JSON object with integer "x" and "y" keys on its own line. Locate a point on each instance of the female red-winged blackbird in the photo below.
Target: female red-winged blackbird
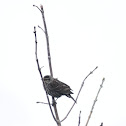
{"x": 56, "y": 88}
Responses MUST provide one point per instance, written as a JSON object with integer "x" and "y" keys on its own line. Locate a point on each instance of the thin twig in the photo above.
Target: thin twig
{"x": 95, "y": 102}
{"x": 47, "y": 40}
{"x": 79, "y": 118}
{"x": 39, "y": 69}
{"x": 43, "y": 103}
{"x": 37, "y": 7}
{"x": 84, "y": 81}
{"x": 41, "y": 28}
{"x": 78, "y": 93}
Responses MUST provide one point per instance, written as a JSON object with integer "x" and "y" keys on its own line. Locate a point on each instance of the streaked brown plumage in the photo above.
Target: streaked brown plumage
{"x": 56, "y": 88}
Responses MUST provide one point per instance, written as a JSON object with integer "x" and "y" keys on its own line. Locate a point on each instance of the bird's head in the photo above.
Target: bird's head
{"x": 47, "y": 78}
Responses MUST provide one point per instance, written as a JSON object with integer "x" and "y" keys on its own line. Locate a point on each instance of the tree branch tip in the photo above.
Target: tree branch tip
{"x": 103, "y": 79}
{"x": 39, "y": 27}
{"x": 34, "y": 28}
{"x": 34, "y": 5}
{"x": 37, "y": 7}
{"x": 94, "y": 70}
{"x": 41, "y": 6}
{"x": 41, "y": 67}
{"x": 42, "y": 102}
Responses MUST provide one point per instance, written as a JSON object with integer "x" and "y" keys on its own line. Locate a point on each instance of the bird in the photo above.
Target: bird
{"x": 56, "y": 88}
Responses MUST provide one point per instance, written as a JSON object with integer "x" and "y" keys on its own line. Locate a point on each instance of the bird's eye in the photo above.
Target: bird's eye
{"x": 46, "y": 77}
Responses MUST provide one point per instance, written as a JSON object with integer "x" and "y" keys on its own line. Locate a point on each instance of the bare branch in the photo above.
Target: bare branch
{"x": 39, "y": 69}
{"x": 49, "y": 60}
{"x": 47, "y": 40}
{"x": 79, "y": 118}
{"x": 78, "y": 93}
{"x": 95, "y": 101}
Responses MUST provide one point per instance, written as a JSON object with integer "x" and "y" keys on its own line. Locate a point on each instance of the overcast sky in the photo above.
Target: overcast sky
{"x": 83, "y": 34}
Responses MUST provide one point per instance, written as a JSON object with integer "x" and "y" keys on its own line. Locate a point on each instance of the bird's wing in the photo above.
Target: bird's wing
{"x": 60, "y": 87}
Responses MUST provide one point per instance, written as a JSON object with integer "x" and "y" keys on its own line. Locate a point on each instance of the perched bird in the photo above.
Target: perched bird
{"x": 56, "y": 88}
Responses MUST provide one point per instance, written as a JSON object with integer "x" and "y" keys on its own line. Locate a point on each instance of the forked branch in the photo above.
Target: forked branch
{"x": 50, "y": 65}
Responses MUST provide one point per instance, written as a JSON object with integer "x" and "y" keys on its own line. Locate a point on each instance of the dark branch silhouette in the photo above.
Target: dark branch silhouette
{"x": 39, "y": 69}
{"x": 50, "y": 66}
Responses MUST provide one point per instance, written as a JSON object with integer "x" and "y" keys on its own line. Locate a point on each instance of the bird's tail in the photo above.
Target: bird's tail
{"x": 71, "y": 97}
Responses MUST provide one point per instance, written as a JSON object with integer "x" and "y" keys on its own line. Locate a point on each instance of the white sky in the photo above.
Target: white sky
{"x": 83, "y": 34}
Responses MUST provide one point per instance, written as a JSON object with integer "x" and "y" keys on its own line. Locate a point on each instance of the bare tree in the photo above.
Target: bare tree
{"x": 53, "y": 104}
